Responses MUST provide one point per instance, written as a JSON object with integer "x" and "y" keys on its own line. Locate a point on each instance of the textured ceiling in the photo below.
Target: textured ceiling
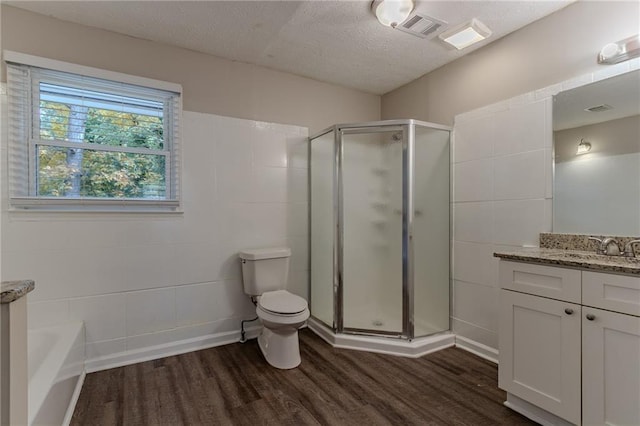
{"x": 339, "y": 42}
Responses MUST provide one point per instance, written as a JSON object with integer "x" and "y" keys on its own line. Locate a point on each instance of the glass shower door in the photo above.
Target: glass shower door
{"x": 371, "y": 235}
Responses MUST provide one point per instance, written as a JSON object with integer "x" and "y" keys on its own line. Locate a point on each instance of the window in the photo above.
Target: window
{"x": 81, "y": 140}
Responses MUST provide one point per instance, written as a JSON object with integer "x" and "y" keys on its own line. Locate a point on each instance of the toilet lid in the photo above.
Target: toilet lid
{"x": 282, "y": 302}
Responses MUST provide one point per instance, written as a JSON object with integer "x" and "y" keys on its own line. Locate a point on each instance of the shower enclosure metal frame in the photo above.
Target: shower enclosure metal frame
{"x": 407, "y": 127}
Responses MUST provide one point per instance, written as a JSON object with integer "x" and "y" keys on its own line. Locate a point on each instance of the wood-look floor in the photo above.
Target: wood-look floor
{"x": 233, "y": 385}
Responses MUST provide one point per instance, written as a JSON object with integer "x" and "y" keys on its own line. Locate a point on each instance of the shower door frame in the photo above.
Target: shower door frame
{"x": 407, "y": 127}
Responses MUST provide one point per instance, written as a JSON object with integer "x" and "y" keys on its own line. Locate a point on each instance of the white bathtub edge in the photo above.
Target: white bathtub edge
{"x": 54, "y": 369}
{"x": 129, "y": 357}
{"x": 74, "y": 399}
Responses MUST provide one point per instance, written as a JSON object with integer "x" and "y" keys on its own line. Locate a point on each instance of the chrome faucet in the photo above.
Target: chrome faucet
{"x": 608, "y": 246}
{"x": 629, "y": 249}
{"x": 611, "y": 247}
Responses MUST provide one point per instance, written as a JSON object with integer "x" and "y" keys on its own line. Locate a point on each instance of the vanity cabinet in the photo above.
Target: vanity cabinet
{"x": 564, "y": 349}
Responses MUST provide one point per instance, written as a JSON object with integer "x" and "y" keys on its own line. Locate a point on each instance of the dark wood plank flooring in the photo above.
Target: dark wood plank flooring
{"x": 233, "y": 385}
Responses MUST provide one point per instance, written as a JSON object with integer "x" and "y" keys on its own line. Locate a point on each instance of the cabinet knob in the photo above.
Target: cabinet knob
{"x": 591, "y": 317}
{"x": 568, "y": 311}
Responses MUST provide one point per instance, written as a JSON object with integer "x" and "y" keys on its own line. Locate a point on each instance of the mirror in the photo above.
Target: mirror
{"x": 596, "y": 188}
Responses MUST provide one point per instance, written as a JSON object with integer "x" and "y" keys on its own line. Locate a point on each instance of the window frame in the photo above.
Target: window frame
{"x": 23, "y": 183}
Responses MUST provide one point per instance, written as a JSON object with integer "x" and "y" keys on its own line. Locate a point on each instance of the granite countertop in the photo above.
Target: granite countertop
{"x": 574, "y": 258}
{"x": 14, "y": 290}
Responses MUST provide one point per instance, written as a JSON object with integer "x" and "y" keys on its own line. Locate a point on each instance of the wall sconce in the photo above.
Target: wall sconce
{"x": 620, "y": 51}
{"x": 583, "y": 147}
{"x": 391, "y": 12}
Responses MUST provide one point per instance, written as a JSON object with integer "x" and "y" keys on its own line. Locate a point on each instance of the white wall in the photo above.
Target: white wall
{"x": 144, "y": 280}
{"x": 502, "y": 195}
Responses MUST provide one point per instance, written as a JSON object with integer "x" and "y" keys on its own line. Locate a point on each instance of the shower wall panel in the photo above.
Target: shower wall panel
{"x": 431, "y": 235}
{"x": 321, "y": 169}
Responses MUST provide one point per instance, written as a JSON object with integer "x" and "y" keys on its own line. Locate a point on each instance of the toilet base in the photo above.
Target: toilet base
{"x": 281, "y": 350}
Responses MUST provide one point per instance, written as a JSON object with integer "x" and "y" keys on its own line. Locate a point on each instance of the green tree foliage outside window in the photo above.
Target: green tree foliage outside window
{"x": 102, "y": 174}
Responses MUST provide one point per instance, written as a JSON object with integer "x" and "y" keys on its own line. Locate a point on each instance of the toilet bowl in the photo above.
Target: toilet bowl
{"x": 264, "y": 276}
{"x": 282, "y": 314}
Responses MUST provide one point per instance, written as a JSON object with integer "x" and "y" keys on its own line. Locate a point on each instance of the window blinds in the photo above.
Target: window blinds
{"x": 44, "y": 105}
{"x": 19, "y": 105}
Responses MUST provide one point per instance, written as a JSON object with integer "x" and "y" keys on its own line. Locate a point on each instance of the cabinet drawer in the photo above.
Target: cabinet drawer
{"x": 539, "y": 280}
{"x": 612, "y": 292}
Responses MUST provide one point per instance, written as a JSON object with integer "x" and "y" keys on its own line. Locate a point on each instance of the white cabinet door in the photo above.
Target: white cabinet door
{"x": 540, "y": 352}
{"x": 611, "y": 368}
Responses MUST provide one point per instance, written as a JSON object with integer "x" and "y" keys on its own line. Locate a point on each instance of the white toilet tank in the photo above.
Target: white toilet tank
{"x": 265, "y": 269}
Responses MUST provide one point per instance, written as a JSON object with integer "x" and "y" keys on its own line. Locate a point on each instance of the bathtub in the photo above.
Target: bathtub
{"x": 56, "y": 372}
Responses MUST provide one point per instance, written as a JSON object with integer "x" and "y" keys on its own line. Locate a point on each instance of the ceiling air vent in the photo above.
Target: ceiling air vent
{"x": 422, "y": 26}
{"x": 599, "y": 108}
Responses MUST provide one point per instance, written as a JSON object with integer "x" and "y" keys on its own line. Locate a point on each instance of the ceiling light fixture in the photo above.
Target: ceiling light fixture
{"x": 583, "y": 147}
{"x": 620, "y": 51}
{"x": 466, "y": 34}
{"x": 392, "y": 12}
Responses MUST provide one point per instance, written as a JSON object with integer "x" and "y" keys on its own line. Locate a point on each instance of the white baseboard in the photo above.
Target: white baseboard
{"x": 413, "y": 349}
{"x": 483, "y": 351}
{"x": 383, "y": 345}
{"x": 168, "y": 349}
{"x": 74, "y": 399}
{"x": 321, "y": 330}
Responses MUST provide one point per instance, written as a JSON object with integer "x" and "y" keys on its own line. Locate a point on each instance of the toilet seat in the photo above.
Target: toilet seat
{"x": 281, "y": 302}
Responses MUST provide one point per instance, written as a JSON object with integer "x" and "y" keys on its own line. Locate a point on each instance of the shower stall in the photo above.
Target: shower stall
{"x": 380, "y": 228}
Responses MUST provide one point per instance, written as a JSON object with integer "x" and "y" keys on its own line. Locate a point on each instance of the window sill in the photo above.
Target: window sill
{"x": 91, "y": 205}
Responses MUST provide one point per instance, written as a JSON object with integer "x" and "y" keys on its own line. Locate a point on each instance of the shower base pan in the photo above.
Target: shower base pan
{"x": 384, "y": 345}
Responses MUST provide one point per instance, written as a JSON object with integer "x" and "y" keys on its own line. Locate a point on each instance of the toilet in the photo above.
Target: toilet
{"x": 264, "y": 275}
